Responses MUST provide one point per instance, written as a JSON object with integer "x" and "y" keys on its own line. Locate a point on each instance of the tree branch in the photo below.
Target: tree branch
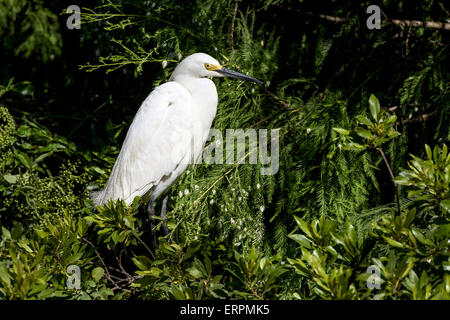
{"x": 419, "y": 118}
{"x": 418, "y": 24}
{"x": 397, "y": 22}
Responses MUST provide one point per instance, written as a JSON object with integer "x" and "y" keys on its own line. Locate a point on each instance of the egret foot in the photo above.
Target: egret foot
{"x": 151, "y": 214}
{"x": 164, "y": 216}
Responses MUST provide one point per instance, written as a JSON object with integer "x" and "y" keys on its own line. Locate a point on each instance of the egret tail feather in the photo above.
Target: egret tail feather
{"x": 97, "y": 196}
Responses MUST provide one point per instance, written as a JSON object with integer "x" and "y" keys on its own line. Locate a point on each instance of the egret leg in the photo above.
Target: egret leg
{"x": 151, "y": 213}
{"x": 164, "y": 216}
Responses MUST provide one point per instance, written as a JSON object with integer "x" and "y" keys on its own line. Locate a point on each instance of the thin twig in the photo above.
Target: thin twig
{"x": 146, "y": 247}
{"x": 275, "y": 97}
{"x": 443, "y": 8}
{"x": 419, "y": 118}
{"x": 98, "y": 256}
{"x": 312, "y": 14}
{"x": 327, "y": 17}
{"x": 108, "y": 275}
{"x": 119, "y": 262}
{"x": 392, "y": 177}
{"x": 117, "y": 283}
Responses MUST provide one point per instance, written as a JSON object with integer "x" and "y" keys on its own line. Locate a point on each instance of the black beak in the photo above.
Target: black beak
{"x": 237, "y": 75}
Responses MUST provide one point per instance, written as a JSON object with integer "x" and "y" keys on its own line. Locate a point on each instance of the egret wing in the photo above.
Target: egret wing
{"x": 157, "y": 141}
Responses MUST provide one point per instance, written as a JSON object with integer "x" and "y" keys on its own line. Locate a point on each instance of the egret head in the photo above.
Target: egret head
{"x": 201, "y": 65}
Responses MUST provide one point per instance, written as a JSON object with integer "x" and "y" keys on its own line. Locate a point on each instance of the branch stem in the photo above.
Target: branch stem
{"x": 392, "y": 177}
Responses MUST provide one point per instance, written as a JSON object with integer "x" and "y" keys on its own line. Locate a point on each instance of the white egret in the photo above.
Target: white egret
{"x": 167, "y": 133}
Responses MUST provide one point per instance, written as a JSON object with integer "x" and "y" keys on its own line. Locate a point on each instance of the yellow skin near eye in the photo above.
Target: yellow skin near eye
{"x": 211, "y": 67}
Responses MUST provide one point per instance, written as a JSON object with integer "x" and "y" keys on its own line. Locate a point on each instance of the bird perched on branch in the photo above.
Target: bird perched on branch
{"x": 167, "y": 133}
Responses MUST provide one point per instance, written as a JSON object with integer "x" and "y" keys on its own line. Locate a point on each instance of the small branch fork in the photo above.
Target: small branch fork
{"x": 123, "y": 280}
{"x": 392, "y": 177}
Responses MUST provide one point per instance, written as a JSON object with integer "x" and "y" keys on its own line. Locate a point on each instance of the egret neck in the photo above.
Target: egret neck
{"x": 204, "y": 100}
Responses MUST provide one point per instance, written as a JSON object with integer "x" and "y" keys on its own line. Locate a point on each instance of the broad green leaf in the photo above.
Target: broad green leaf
{"x": 97, "y": 273}
{"x": 445, "y": 205}
{"x": 364, "y": 133}
{"x": 429, "y": 152}
{"x": 364, "y": 120}
{"x": 342, "y": 131}
{"x": 194, "y": 272}
{"x": 6, "y": 234}
{"x": 422, "y": 239}
{"x": 128, "y": 222}
{"x": 374, "y": 106}
{"x": 24, "y": 159}
{"x": 4, "y": 276}
{"x": 301, "y": 239}
{"x": 10, "y": 178}
{"x": 393, "y": 242}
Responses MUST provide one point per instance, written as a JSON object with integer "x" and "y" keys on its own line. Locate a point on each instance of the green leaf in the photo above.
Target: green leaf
{"x": 364, "y": 120}
{"x": 10, "y": 178}
{"x": 301, "y": 239}
{"x": 445, "y": 205}
{"x": 342, "y": 131}
{"x": 195, "y": 246}
{"x": 446, "y": 265}
{"x": 429, "y": 152}
{"x": 393, "y": 242}
{"x": 419, "y": 236}
{"x": 374, "y": 106}
{"x": 4, "y": 276}
{"x": 128, "y": 222}
{"x": 142, "y": 262}
{"x": 304, "y": 226}
{"x": 115, "y": 236}
{"x": 97, "y": 273}
{"x": 25, "y": 246}
{"x": 24, "y": 159}
{"x": 194, "y": 272}
{"x": 351, "y": 232}
{"x": 6, "y": 234}
{"x": 364, "y": 133}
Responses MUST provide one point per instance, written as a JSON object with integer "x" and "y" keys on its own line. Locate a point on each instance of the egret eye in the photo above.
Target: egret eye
{"x": 207, "y": 66}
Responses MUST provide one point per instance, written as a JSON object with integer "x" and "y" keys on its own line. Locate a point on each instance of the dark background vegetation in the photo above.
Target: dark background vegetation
{"x": 66, "y": 111}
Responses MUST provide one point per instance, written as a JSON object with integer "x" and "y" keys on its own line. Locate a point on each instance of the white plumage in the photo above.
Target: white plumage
{"x": 168, "y": 131}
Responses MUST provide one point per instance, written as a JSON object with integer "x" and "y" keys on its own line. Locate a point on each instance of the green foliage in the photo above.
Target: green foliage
{"x": 231, "y": 228}
{"x": 430, "y": 180}
{"x": 7, "y": 129}
{"x": 370, "y": 133}
{"x": 336, "y": 266}
{"x": 29, "y": 187}
{"x": 116, "y": 223}
{"x": 29, "y": 29}
{"x": 190, "y": 273}
{"x": 181, "y": 272}
{"x": 400, "y": 246}
{"x": 259, "y": 275}
{"x": 34, "y": 265}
